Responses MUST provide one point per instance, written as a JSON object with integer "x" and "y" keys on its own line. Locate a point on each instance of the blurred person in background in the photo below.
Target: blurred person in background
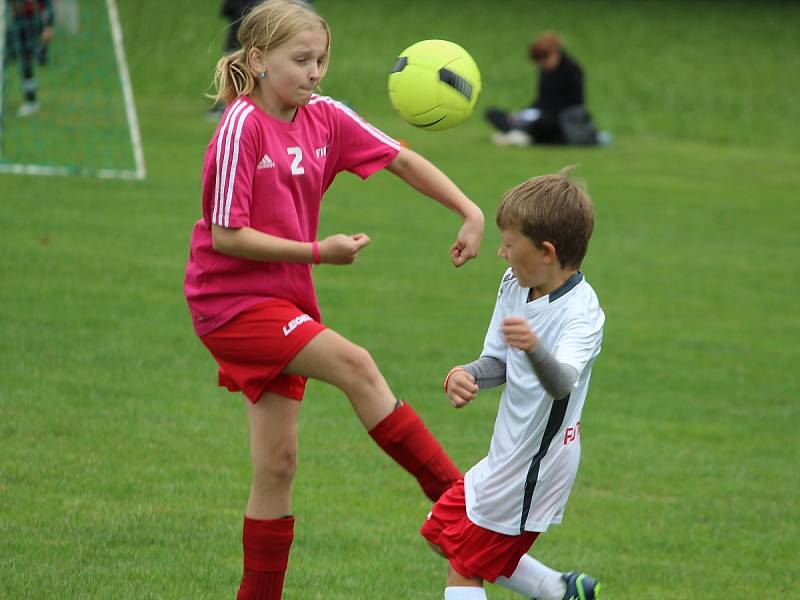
{"x": 234, "y": 11}
{"x": 29, "y": 29}
{"x": 557, "y": 114}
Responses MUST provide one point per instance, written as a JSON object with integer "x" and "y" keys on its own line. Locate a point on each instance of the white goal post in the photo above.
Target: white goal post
{"x": 12, "y": 160}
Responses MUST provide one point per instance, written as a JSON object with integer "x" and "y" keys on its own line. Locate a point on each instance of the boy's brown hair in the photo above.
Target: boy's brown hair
{"x": 551, "y": 208}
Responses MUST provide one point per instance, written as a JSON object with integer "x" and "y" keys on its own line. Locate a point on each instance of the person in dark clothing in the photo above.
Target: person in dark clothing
{"x": 557, "y": 114}
{"x": 235, "y": 11}
{"x": 30, "y": 25}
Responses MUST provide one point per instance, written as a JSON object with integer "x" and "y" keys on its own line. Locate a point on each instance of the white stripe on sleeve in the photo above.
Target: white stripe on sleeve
{"x": 234, "y": 162}
{"x": 220, "y": 137}
{"x": 371, "y": 129}
{"x": 224, "y": 139}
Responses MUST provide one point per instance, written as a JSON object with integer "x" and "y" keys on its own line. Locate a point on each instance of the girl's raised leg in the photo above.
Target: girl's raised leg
{"x": 393, "y": 425}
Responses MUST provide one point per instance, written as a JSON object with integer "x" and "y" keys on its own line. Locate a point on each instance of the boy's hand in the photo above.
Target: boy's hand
{"x": 468, "y": 242}
{"x": 461, "y": 388}
{"x": 518, "y": 334}
{"x": 341, "y": 249}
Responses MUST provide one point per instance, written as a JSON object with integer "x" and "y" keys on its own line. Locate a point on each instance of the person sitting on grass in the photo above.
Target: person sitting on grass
{"x": 558, "y": 114}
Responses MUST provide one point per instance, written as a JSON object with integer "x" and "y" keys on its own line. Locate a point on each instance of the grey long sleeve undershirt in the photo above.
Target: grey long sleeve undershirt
{"x": 488, "y": 371}
{"x": 557, "y": 378}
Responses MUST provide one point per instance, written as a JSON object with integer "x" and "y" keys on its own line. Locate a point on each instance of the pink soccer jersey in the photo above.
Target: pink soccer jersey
{"x": 270, "y": 175}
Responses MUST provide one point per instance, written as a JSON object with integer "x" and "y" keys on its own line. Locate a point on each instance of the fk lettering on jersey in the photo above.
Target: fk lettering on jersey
{"x": 571, "y": 433}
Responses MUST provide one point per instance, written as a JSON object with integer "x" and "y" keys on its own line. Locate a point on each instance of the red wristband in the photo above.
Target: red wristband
{"x": 450, "y": 374}
{"x": 315, "y": 251}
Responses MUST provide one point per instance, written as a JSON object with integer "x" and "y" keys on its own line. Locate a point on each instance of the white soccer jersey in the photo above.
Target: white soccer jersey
{"x": 525, "y": 480}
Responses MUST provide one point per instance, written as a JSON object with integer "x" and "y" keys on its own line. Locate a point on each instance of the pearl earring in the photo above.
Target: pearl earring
{"x": 262, "y": 74}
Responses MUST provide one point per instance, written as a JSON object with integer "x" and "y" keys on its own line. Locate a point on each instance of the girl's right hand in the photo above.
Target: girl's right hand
{"x": 341, "y": 249}
{"x": 469, "y": 240}
{"x": 461, "y": 388}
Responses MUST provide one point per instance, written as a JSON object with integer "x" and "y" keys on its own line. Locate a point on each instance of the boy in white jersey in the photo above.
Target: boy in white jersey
{"x": 544, "y": 336}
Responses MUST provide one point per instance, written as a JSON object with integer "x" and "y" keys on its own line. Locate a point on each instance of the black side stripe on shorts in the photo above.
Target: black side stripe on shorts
{"x": 554, "y": 421}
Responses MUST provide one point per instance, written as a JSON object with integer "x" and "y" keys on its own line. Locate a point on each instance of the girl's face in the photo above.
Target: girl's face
{"x": 293, "y": 71}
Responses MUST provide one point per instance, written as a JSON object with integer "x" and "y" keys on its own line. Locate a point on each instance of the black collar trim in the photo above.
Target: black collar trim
{"x": 570, "y": 283}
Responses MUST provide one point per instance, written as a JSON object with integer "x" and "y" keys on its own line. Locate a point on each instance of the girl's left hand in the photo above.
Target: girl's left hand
{"x": 468, "y": 242}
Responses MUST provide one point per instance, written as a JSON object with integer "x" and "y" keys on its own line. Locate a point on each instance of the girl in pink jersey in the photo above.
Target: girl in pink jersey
{"x": 248, "y": 282}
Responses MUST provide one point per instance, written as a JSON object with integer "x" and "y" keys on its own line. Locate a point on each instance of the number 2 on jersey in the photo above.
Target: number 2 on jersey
{"x": 297, "y": 153}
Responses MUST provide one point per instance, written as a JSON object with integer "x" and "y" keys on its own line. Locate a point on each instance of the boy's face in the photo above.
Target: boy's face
{"x": 529, "y": 263}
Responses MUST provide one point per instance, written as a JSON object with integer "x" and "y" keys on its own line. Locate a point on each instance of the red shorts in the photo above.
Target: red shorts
{"x": 254, "y": 347}
{"x": 472, "y": 550}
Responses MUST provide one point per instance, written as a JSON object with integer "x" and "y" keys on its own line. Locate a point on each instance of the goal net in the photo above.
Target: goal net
{"x": 66, "y": 101}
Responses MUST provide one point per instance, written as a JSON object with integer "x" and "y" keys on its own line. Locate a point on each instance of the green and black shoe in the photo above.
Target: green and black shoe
{"x": 581, "y": 586}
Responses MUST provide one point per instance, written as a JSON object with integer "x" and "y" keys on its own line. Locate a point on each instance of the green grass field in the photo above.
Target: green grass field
{"x": 124, "y": 469}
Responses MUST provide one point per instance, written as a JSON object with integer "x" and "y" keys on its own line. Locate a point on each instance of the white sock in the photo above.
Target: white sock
{"x": 465, "y": 593}
{"x": 532, "y": 579}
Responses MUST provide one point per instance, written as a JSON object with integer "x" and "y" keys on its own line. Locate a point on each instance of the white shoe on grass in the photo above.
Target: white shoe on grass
{"x": 604, "y": 138}
{"x": 514, "y": 137}
{"x": 27, "y": 109}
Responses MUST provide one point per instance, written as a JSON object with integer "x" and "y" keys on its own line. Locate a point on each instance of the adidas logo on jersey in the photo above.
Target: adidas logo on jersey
{"x": 266, "y": 163}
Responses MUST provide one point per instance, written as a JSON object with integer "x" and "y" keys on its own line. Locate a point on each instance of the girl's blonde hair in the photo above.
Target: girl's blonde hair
{"x": 267, "y": 26}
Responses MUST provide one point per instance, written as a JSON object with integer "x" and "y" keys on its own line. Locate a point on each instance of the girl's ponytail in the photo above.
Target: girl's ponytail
{"x": 232, "y": 77}
{"x": 267, "y": 26}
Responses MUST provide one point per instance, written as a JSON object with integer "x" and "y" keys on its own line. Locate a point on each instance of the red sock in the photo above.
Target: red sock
{"x": 404, "y": 437}
{"x": 266, "y": 555}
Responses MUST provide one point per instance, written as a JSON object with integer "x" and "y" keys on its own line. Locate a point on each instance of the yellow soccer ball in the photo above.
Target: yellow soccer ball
{"x": 434, "y": 85}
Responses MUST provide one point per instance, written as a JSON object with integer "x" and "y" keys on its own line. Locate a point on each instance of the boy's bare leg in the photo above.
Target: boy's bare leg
{"x": 463, "y": 588}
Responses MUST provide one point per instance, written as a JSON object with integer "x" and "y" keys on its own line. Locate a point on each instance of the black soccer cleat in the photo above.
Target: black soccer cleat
{"x": 581, "y": 586}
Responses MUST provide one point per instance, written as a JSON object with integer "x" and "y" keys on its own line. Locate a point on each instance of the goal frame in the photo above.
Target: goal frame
{"x": 139, "y": 171}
